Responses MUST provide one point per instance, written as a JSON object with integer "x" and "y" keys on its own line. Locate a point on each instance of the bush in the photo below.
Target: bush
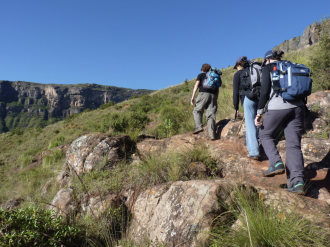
{"x": 107, "y": 105}
{"x": 18, "y": 132}
{"x": 71, "y": 117}
{"x": 36, "y": 227}
{"x": 87, "y": 110}
{"x": 321, "y": 59}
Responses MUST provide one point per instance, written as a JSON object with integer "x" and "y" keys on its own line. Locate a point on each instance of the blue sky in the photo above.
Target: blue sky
{"x": 141, "y": 44}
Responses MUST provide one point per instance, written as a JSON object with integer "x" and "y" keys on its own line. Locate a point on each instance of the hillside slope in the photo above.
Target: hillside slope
{"x": 33, "y": 105}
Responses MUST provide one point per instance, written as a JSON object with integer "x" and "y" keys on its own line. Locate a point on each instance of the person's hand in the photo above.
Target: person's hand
{"x": 192, "y": 101}
{"x": 257, "y": 120}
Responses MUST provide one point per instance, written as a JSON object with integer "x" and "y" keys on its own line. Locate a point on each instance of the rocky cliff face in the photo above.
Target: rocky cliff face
{"x": 309, "y": 37}
{"x": 20, "y": 102}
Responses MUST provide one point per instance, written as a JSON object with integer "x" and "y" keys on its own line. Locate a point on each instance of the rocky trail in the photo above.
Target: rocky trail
{"x": 182, "y": 213}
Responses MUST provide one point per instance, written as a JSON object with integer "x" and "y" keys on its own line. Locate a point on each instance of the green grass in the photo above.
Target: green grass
{"x": 58, "y": 140}
{"x": 52, "y": 158}
{"x": 161, "y": 114}
{"x": 249, "y": 222}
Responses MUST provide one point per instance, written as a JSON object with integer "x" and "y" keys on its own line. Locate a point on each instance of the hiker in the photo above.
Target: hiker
{"x": 290, "y": 114}
{"x": 244, "y": 91}
{"x": 206, "y": 99}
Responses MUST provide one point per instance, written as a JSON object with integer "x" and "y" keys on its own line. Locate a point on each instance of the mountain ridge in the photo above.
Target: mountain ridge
{"x": 28, "y": 104}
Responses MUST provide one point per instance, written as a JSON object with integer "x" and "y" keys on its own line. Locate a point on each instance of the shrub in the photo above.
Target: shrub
{"x": 107, "y": 105}
{"x": 56, "y": 142}
{"x": 321, "y": 59}
{"x": 36, "y": 227}
{"x": 16, "y": 132}
{"x": 87, "y": 110}
{"x": 71, "y": 117}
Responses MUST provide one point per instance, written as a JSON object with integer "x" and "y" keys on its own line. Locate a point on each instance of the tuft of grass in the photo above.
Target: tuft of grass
{"x": 252, "y": 223}
{"x": 52, "y": 158}
{"x": 172, "y": 166}
{"x": 56, "y": 142}
{"x": 25, "y": 160}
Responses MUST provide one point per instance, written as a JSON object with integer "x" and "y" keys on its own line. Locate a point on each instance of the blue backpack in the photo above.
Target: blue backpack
{"x": 213, "y": 79}
{"x": 291, "y": 81}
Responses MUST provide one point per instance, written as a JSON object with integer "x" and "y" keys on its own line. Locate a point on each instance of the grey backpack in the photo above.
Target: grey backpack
{"x": 251, "y": 81}
{"x": 255, "y": 74}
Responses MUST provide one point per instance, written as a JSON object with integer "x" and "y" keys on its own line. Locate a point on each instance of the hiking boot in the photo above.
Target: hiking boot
{"x": 197, "y": 130}
{"x": 254, "y": 157}
{"x": 212, "y": 138}
{"x": 276, "y": 169}
{"x": 298, "y": 188}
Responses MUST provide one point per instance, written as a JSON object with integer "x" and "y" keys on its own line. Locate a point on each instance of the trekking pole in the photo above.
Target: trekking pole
{"x": 240, "y": 126}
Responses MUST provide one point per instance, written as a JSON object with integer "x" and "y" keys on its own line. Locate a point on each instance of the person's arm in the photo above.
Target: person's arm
{"x": 192, "y": 101}
{"x": 236, "y": 81}
{"x": 264, "y": 94}
{"x": 265, "y": 89}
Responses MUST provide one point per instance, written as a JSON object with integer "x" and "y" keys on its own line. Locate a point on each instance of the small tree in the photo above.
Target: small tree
{"x": 320, "y": 61}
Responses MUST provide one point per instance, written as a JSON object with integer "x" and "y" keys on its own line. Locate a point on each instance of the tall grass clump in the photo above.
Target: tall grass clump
{"x": 252, "y": 223}
{"x": 25, "y": 160}
{"x": 56, "y": 142}
{"x": 172, "y": 166}
{"x": 107, "y": 230}
{"x": 52, "y": 158}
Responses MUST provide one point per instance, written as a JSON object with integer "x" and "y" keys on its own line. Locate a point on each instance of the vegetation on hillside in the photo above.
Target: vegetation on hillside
{"x": 320, "y": 61}
{"x": 18, "y": 112}
{"x": 161, "y": 114}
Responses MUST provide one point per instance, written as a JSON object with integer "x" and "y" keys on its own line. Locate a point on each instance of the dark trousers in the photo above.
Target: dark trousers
{"x": 293, "y": 121}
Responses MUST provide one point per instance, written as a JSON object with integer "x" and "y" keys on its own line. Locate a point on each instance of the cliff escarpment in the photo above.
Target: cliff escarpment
{"x": 309, "y": 37}
{"x": 25, "y": 104}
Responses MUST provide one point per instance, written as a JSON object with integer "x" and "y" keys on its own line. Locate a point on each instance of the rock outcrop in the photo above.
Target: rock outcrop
{"x": 183, "y": 212}
{"x": 309, "y": 37}
{"x": 25, "y": 99}
{"x": 94, "y": 151}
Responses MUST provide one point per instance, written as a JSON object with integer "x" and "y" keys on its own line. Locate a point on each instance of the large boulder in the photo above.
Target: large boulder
{"x": 97, "y": 204}
{"x": 65, "y": 203}
{"x": 94, "y": 151}
{"x": 287, "y": 202}
{"x": 181, "y": 215}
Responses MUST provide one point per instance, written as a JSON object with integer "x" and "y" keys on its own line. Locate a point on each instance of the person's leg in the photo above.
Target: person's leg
{"x": 294, "y": 156}
{"x": 199, "y": 109}
{"x": 273, "y": 119}
{"x": 210, "y": 114}
{"x": 250, "y": 112}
